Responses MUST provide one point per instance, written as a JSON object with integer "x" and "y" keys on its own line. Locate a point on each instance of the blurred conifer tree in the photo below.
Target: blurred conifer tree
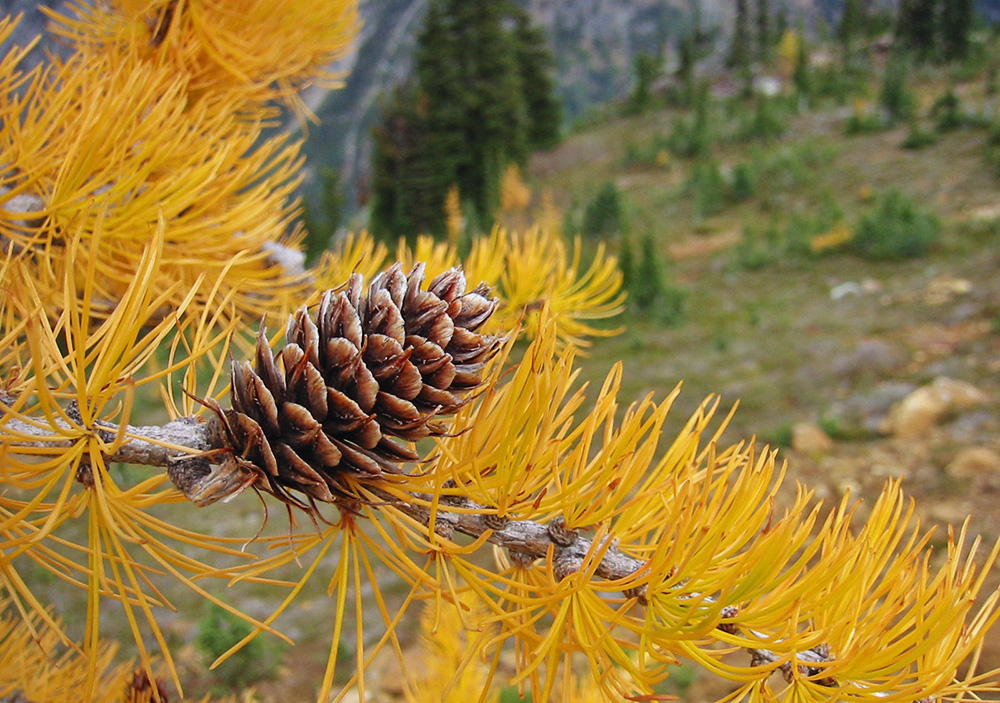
{"x": 481, "y": 98}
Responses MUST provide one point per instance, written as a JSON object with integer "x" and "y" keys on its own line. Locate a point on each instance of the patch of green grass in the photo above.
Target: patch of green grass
{"x": 257, "y": 660}
{"x": 781, "y": 436}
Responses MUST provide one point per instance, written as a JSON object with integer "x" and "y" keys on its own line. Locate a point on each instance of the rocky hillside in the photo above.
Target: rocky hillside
{"x": 594, "y": 42}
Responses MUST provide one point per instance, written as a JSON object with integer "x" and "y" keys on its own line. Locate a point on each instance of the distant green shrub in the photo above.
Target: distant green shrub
{"x": 788, "y": 167}
{"x": 896, "y": 229}
{"x": 947, "y": 112}
{"x": 648, "y": 68}
{"x": 258, "y": 660}
{"x": 605, "y": 214}
{"x": 691, "y": 136}
{"x": 653, "y": 152}
{"x": 832, "y": 82}
{"x": 647, "y": 285}
{"x": 896, "y": 97}
{"x": 780, "y": 436}
{"x": 741, "y": 186}
{"x": 758, "y": 249}
{"x": 919, "y": 138}
{"x": 791, "y": 242}
{"x": 672, "y": 306}
{"x": 767, "y": 121}
{"x": 510, "y": 694}
{"x": 648, "y": 290}
{"x": 707, "y": 187}
{"x": 861, "y": 122}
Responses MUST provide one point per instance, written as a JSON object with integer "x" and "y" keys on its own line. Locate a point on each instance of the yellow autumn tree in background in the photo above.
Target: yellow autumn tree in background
{"x": 150, "y": 250}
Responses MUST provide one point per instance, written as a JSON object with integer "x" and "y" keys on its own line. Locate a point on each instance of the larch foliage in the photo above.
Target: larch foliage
{"x": 155, "y": 315}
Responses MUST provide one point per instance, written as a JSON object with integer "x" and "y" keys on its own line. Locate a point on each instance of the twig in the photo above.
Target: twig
{"x": 185, "y": 448}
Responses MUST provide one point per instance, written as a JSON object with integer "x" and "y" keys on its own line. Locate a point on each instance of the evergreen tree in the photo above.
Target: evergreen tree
{"x": 405, "y": 193}
{"x": 852, "y": 24}
{"x": 321, "y": 221}
{"x": 916, "y": 27}
{"x": 648, "y": 285}
{"x": 781, "y": 23}
{"x": 439, "y": 79}
{"x": 647, "y": 69}
{"x": 686, "y": 59}
{"x": 535, "y": 65}
{"x": 896, "y": 98}
{"x": 765, "y": 39}
{"x": 483, "y": 92}
{"x": 605, "y": 214}
{"x": 801, "y": 74}
{"x": 956, "y": 20}
{"x": 739, "y": 52}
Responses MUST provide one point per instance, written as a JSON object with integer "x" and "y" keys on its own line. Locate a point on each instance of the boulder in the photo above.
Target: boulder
{"x": 928, "y": 405}
{"x": 974, "y": 462}
{"x": 810, "y": 438}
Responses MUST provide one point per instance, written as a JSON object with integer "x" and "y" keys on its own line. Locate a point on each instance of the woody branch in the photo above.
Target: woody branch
{"x": 185, "y": 447}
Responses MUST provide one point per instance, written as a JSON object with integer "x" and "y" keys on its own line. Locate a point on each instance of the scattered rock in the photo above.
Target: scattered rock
{"x": 970, "y": 427}
{"x": 863, "y": 413}
{"x": 842, "y": 290}
{"x": 810, "y": 438}
{"x": 974, "y": 462}
{"x": 949, "y": 512}
{"x": 942, "y": 289}
{"x": 868, "y": 286}
{"x": 389, "y": 674}
{"x": 970, "y": 310}
{"x": 963, "y": 396}
{"x": 928, "y": 405}
{"x": 869, "y": 357}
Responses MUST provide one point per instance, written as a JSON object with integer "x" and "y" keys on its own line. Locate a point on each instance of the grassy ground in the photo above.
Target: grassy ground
{"x": 832, "y": 339}
{"x": 767, "y": 336}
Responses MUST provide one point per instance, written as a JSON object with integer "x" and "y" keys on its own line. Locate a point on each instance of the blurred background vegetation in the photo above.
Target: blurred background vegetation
{"x": 804, "y": 198}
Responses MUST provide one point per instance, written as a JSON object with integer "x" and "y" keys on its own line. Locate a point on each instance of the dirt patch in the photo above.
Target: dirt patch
{"x": 691, "y": 247}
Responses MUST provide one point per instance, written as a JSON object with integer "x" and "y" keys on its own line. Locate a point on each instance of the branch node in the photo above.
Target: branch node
{"x": 443, "y": 528}
{"x": 564, "y": 566}
{"x": 520, "y": 559}
{"x": 823, "y": 654}
{"x": 85, "y": 474}
{"x": 728, "y": 613}
{"x": 73, "y": 412}
{"x": 204, "y": 483}
{"x": 495, "y": 522}
{"x": 639, "y": 593}
{"x": 559, "y": 534}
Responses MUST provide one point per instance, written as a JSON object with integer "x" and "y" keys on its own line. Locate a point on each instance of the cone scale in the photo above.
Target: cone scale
{"x": 358, "y": 380}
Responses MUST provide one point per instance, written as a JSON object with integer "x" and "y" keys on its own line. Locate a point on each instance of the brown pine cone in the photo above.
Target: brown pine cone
{"x": 363, "y": 373}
